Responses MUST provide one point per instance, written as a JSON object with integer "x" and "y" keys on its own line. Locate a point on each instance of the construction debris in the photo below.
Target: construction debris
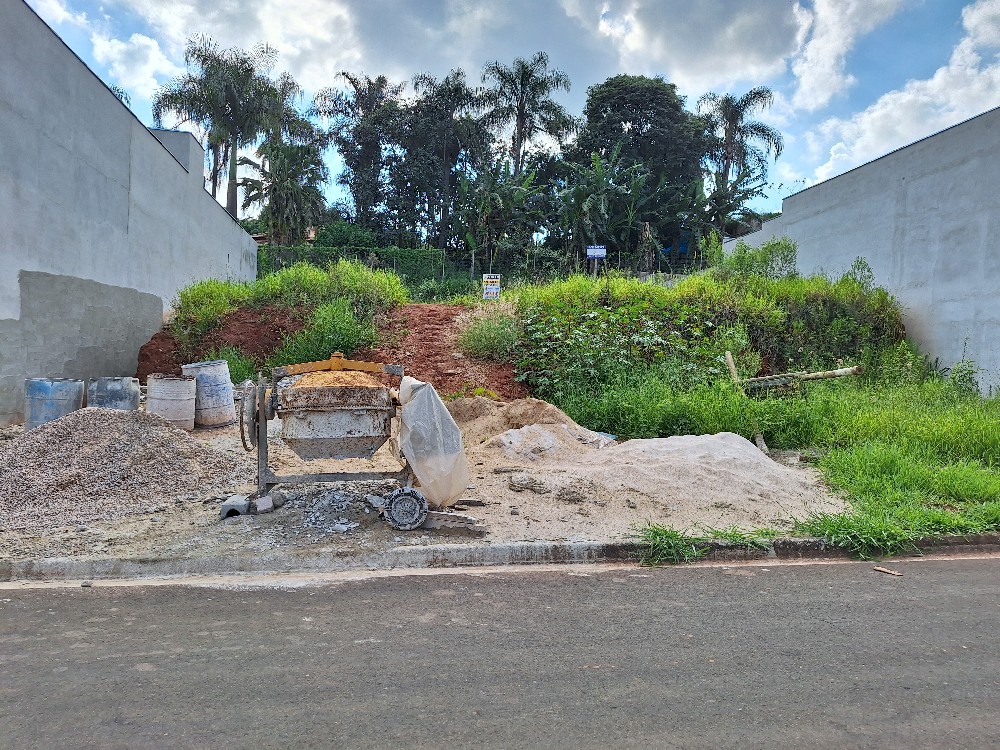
{"x": 103, "y": 465}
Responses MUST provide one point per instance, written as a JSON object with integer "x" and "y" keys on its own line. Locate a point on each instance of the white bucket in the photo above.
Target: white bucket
{"x": 214, "y": 405}
{"x": 172, "y": 397}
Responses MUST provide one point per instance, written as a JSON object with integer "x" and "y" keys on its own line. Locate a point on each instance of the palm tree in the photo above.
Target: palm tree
{"x": 227, "y": 92}
{"x": 737, "y": 135}
{"x": 287, "y": 185}
{"x": 520, "y": 96}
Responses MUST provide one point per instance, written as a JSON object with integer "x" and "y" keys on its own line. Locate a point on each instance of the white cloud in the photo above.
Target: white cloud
{"x": 697, "y": 44}
{"x": 966, "y": 86}
{"x": 55, "y": 13}
{"x": 137, "y": 64}
{"x": 831, "y": 28}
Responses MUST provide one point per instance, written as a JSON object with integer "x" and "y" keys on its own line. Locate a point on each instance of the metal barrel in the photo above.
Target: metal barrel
{"x": 214, "y": 405}
{"x": 173, "y": 398}
{"x": 50, "y": 398}
{"x": 114, "y": 393}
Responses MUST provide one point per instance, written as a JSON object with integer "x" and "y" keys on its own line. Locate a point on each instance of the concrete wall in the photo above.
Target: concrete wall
{"x": 927, "y": 220}
{"x": 101, "y": 220}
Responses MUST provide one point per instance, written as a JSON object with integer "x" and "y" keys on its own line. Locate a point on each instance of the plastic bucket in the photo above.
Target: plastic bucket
{"x": 46, "y": 399}
{"x": 172, "y": 397}
{"x": 214, "y": 405}
{"x": 114, "y": 393}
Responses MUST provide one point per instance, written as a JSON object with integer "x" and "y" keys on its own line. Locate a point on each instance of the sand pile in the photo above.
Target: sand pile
{"x": 102, "y": 465}
{"x": 531, "y": 460}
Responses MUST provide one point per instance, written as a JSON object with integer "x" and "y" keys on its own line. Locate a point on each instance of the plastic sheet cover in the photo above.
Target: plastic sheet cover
{"x": 432, "y": 444}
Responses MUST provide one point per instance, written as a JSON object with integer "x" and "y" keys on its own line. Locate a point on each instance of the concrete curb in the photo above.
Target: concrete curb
{"x": 441, "y": 556}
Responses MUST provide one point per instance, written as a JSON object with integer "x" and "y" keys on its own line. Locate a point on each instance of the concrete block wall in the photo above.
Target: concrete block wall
{"x": 926, "y": 218}
{"x": 101, "y": 220}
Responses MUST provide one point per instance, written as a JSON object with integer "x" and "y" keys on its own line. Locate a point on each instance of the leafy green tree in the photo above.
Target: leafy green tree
{"x": 646, "y": 118}
{"x": 439, "y": 139}
{"x": 363, "y": 119}
{"x": 643, "y": 120}
{"x": 491, "y": 202}
{"x": 520, "y": 97}
{"x": 287, "y": 184}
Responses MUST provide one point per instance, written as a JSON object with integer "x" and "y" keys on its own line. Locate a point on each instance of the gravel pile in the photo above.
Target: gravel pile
{"x": 103, "y": 465}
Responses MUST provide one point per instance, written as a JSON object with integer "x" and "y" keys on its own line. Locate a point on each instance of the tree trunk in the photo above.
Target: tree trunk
{"x": 231, "y": 193}
{"x": 214, "y": 175}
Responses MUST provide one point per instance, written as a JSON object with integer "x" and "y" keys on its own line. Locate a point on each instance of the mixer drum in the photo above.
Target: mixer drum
{"x": 334, "y": 414}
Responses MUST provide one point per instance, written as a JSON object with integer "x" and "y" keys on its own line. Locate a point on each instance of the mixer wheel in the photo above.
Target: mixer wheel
{"x": 405, "y": 509}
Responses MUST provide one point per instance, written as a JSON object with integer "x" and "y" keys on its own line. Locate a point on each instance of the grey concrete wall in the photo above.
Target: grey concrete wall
{"x": 91, "y": 203}
{"x": 927, "y": 220}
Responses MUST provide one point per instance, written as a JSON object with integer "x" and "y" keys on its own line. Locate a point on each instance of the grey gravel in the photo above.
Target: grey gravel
{"x": 97, "y": 465}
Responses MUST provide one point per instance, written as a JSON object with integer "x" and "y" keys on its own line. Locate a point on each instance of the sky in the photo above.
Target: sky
{"x": 853, "y": 79}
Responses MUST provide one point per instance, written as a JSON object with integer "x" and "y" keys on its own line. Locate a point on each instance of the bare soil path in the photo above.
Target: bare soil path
{"x": 424, "y": 339}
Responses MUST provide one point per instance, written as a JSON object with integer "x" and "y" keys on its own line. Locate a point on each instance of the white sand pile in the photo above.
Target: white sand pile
{"x": 102, "y": 465}
{"x": 550, "y": 475}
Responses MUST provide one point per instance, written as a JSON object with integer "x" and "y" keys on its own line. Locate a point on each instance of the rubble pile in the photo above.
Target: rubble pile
{"x": 103, "y": 465}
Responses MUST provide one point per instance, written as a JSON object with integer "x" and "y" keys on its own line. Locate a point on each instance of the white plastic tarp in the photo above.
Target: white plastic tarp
{"x": 432, "y": 444}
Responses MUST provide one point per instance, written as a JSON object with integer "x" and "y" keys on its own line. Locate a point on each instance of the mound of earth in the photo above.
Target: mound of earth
{"x": 531, "y": 461}
{"x": 256, "y": 331}
{"x": 103, "y": 465}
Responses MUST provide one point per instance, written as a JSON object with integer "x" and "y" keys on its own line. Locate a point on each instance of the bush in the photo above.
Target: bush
{"x": 775, "y": 259}
{"x": 414, "y": 264}
{"x": 371, "y": 293}
{"x": 492, "y": 331}
{"x": 200, "y": 307}
{"x": 340, "y": 233}
{"x": 442, "y": 290}
{"x": 333, "y": 327}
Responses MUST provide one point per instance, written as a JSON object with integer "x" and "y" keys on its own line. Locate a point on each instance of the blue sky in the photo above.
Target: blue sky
{"x": 854, "y": 79}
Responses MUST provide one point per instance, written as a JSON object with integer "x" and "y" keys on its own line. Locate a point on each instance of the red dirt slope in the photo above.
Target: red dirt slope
{"x": 423, "y": 338}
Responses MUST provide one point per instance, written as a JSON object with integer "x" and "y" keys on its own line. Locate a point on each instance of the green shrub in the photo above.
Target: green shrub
{"x": 340, "y": 233}
{"x": 492, "y": 331}
{"x": 775, "y": 259}
{"x": 333, "y": 327}
{"x": 442, "y": 290}
{"x": 241, "y": 365}
{"x": 296, "y": 286}
{"x": 371, "y": 293}
{"x": 200, "y": 307}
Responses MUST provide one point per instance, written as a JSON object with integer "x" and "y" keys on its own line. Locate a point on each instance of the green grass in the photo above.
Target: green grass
{"x": 201, "y": 307}
{"x": 332, "y": 328}
{"x": 493, "y": 332}
{"x": 663, "y": 545}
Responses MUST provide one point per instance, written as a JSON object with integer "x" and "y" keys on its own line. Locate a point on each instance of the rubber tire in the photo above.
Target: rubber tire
{"x": 405, "y": 509}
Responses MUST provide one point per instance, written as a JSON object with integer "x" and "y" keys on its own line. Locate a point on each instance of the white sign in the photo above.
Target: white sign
{"x": 491, "y": 286}
{"x": 597, "y": 251}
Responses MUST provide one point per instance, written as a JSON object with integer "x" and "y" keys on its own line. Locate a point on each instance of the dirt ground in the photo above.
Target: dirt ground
{"x": 518, "y": 494}
{"x": 422, "y": 338}
{"x": 534, "y": 473}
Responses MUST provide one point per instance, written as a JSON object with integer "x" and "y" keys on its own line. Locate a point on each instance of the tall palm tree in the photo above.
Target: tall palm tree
{"x": 287, "y": 185}
{"x": 743, "y": 144}
{"x": 520, "y": 97}
{"x": 228, "y": 93}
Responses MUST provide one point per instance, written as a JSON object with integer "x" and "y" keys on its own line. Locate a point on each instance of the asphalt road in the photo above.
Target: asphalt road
{"x": 833, "y": 656}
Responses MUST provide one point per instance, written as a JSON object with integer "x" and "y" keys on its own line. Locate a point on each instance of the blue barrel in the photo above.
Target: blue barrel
{"x": 213, "y": 399}
{"x": 114, "y": 393}
{"x": 46, "y": 399}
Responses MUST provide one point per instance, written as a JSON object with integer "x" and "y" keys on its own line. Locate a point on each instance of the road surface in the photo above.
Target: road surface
{"x": 786, "y": 656}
